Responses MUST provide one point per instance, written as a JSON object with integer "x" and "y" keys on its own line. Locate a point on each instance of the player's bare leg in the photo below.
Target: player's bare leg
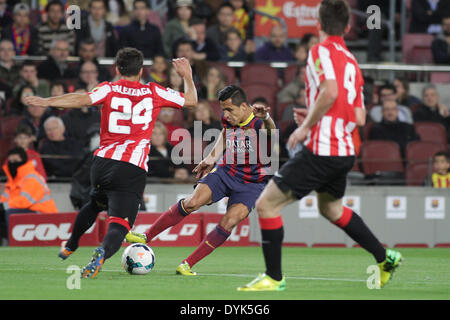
{"x": 235, "y": 214}
{"x": 269, "y": 205}
{"x": 332, "y": 209}
{"x": 201, "y": 196}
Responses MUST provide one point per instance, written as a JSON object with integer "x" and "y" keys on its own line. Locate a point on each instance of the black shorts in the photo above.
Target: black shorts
{"x": 117, "y": 187}
{"x": 307, "y": 172}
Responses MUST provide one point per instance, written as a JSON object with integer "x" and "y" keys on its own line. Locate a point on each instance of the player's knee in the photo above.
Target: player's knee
{"x": 261, "y": 206}
{"x": 191, "y": 204}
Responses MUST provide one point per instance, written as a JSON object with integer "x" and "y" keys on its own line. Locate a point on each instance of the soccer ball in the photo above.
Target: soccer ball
{"x": 138, "y": 258}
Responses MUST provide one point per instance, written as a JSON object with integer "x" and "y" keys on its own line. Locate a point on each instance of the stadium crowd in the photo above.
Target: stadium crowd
{"x": 209, "y": 34}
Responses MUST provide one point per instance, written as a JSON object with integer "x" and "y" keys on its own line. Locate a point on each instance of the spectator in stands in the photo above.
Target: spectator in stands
{"x": 19, "y": 105}
{"x": 234, "y": 49}
{"x": 441, "y": 171}
{"x": 88, "y": 78}
{"x": 205, "y": 48}
{"x": 58, "y": 88}
{"x": 56, "y": 66}
{"x": 440, "y": 47}
{"x": 102, "y": 32}
{"x": 24, "y": 138}
{"x": 388, "y": 92}
{"x": 205, "y": 118}
{"x": 298, "y": 113}
{"x": 5, "y": 15}
{"x": 158, "y": 71}
{"x": 275, "y": 49}
{"x": 290, "y": 91}
{"x": 211, "y": 84}
{"x": 175, "y": 82}
{"x": 301, "y": 53}
{"x": 21, "y": 33}
{"x": 178, "y": 27}
{"x": 34, "y": 119}
{"x": 28, "y": 75}
{"x": 117, "y": 13}
{"x": 78, "y": 122}
{"x": 167, "y": 117}
{"x": 184, "y": 48}
{"x": 403, "y": 96}
{"x": 9, "y": 70}
{"x": 141, "y": 34}
{"x": 182, "y": 174}
{"x": 426, "y": 15}
{"x": 61, "y": 154}
{"x": 217, "y": 32}
{"x": 5, "y": 96}
{"x": 87, "y": 52}
{"x": 432, "y": 110}
{"x": 55, "y": 29}
{"x": 25, "y": 189}
{"x": 309, "y": 40}
{"x": 241, "y": 18}
{"x": 391, "y": 128}
{"x": 299, "y": 102}
{"x": 160, "y": 164}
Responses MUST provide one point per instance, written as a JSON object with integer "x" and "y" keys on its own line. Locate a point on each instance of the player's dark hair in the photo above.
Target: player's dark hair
{"x": 236, "y": 94}
{"x": 334, "y": 16}
{"x": 129, "y": 61}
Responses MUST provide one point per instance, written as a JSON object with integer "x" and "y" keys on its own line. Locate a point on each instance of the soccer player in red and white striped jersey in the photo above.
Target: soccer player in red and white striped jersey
{"x": 335, "y": 108}
{"x": 128, "y": 113}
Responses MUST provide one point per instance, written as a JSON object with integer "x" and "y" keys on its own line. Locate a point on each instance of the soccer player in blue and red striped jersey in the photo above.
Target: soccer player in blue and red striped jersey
{"x": 238, "y": 167}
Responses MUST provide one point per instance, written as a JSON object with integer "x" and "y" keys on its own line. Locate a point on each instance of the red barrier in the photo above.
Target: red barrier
{"x": 47, "y": 230}
{"x": 187, "y": 233}
{"x": 52, "y": 229}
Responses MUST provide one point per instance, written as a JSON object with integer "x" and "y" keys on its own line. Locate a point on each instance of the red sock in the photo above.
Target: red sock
{"x": 171, "y": 217}
{"x": 213, "y": 240}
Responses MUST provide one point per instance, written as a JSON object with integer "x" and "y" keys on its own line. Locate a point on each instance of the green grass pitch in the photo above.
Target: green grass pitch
{"x": 311, "y": 273}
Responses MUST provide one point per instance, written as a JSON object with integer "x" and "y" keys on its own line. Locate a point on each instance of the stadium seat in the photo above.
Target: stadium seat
{"x": 416, "y": 48}
{"x": 229, "y": 72}
{"x": 422, "y": 151}
{"x": 5, "y": 145}
{"x": 178, "y": 118}
{"x": 381, "y": 156}
{"x": 289, "y": 73}
{"x": 259, "y": 74}
{"x": 416, "y": 173}
{"x": 262, "y": 90}
{"x": 366, "y": 130}
{"x": 431, "y": 132}
{"x": 440, "y": 77}
{"x": 8, "y": 125}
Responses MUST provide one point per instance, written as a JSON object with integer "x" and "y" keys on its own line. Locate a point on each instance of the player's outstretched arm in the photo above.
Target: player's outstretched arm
{"x": 208, "y": 163}
{"x": 69, "y": 100}
{"x": 183, "y": 68}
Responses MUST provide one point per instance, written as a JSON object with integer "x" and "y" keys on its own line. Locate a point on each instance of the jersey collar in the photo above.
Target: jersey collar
{"x": 337, "y": 39}
{"x": 246, "y": 122}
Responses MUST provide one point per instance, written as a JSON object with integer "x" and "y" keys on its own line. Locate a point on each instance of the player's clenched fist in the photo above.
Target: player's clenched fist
{"x": 260, "y": 110}
{"x": 182, "y": 67}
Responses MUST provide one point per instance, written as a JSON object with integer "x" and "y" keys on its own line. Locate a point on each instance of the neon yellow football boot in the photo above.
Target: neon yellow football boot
{"x": 264, "y": 283}
{"x": 388, "y": 266}
{"x": 184, "y": 269}
{"x": 136, "y": 237}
